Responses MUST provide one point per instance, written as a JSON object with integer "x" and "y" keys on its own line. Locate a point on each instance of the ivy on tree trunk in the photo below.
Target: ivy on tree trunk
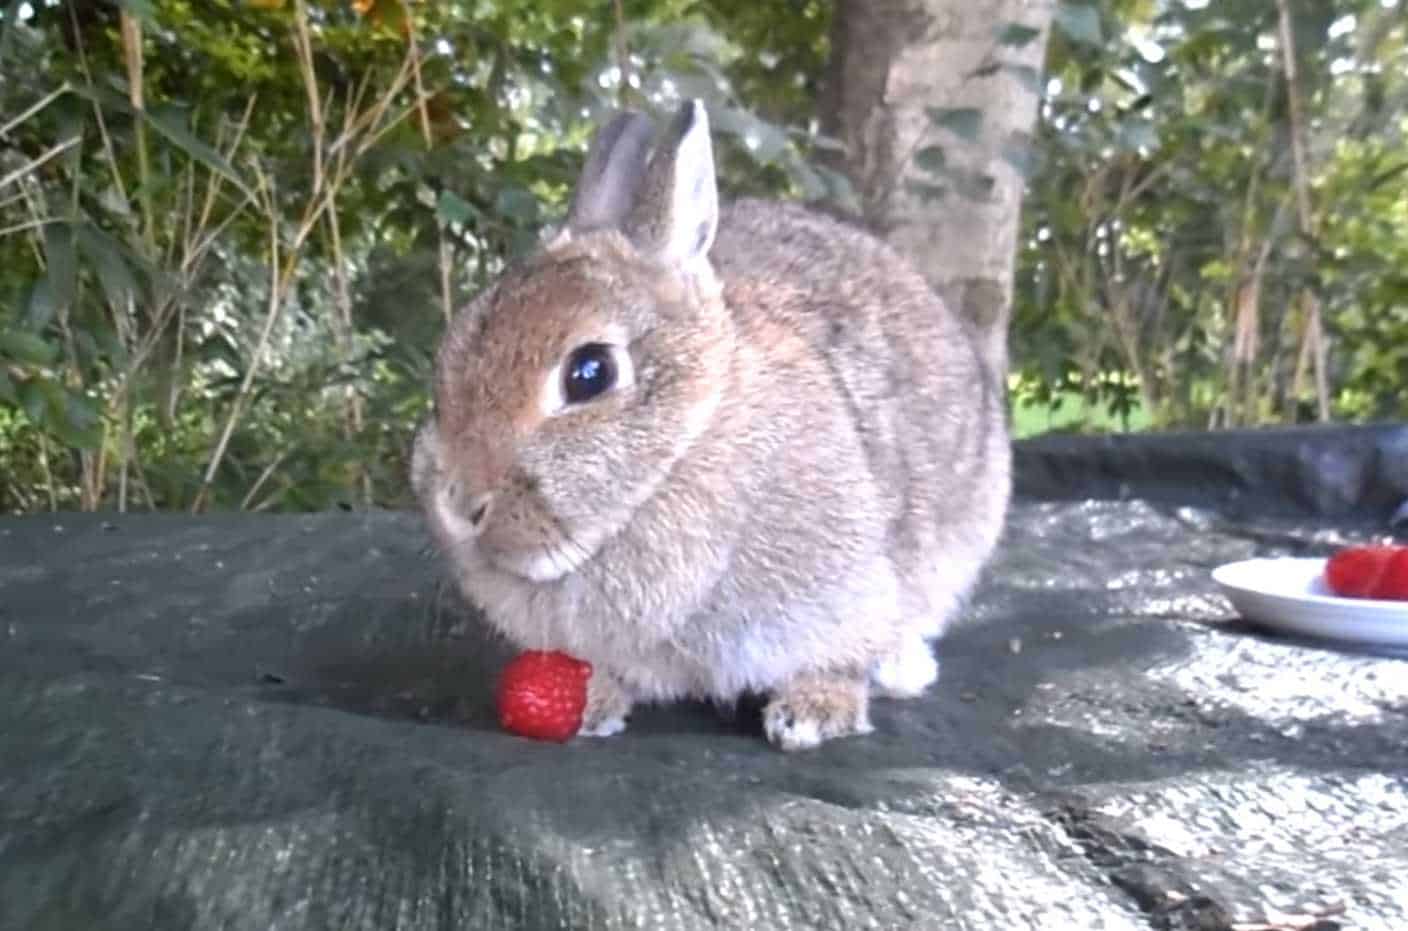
{"x": 935, "y": 102}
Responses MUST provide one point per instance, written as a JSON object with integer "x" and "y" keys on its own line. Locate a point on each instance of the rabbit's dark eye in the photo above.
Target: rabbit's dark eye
{"x": 590, "y": 371}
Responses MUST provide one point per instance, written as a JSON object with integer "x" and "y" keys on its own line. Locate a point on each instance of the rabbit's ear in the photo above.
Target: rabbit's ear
{"x": 677, "y": 205}
{"x": 611, "y": 174}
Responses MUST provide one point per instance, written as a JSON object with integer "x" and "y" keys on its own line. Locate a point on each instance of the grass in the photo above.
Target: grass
{"x": 1072, "y": 415}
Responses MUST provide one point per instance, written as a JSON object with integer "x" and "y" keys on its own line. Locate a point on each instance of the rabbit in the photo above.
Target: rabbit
{"x": 714, "y": 451}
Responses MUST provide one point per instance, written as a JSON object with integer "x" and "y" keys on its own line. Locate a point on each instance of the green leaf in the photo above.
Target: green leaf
{"x": 142, "y": 9}
{"x": 1019, "y": 151}
{"x": 1016, "y": 35}
{"x": 384, "y": 15}
{"x": 70, "y": 418}
{"x": 765, "y": 141}
{"x": 932, "y": 159}
{"x": 964, "y": 122}
{"x": 114, "y": 274}
{"x": 111, "y": 199}
{"x": 1138, "y": 135}
{"x": 1025, "y": 75}
{"x": 1080, "y": 22}
{"x": 197, "y": 150}
{"x": 26, "y": 347}
{"x": 39, "y": 309}
{"x": 521, "y": 242}
{"x": 63, "y": 267}
{"x": 839, "y": 189}
{"x": 32, "y": 401}
{"x": 517, "y": 204}
{"x": 78, "y": 422}
{"x": 221, "y": 348}
{"x": 12, "y": 16}
{"x": 1386, "y": 176}
{"x": 110, "y": 98}
{"x": 828, "y": 143}
{"x": 812, "y": 185}
{"x": 451, "y": 208}
{"x": 7, "y": 388}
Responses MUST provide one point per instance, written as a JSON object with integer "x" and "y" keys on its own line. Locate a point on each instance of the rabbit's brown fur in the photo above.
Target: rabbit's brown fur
{"x": 795, "y": 492}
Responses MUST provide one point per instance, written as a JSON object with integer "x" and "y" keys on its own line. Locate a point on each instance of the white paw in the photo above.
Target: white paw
{"x": 604, "y": 728}
{"x": 789, "y": 729}
{"x": 907, "y": 672}
{"x": 788, "y": 732}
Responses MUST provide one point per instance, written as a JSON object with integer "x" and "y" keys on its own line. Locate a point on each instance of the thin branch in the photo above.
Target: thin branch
{"x": 187, "y": 195}
{"x": 131, "y": 28}
{"x": 212, "y": 190}
{"x": 373, "y": 138}
{"x": 269, "y": 501}
{"x": 373, "y": 116}
{"x": 413, "y": 52}
{"x": 623, "y": 55}
{"x": 279, "y": 281}
{"x": 303, "y": 46}
{"x": 12, "y": 199}
{"x": 49, "y": 155}
{"x": 1297, "y": 117}
{"x": 127, "y": 452}
{"x": 361, "y": 129}
{"x": 35, "y": 209}
{"x": 29, "y": 225}
{"x": 103, "y": 133}
{"x": 1313, "y": 336}
{"x": 263, "y": 477}
{"x": 47, "y": 470}
{"x": 446, "y": 290}
{"x": 43, "y": 102}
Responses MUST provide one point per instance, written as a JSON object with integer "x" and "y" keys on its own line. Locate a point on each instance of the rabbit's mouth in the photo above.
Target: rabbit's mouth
{"x": 542, "y": 564}
{"x": 534, "y": 544}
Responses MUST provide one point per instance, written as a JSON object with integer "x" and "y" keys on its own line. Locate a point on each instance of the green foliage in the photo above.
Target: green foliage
{"x": 228, "y": 262}
{"x": 1164, "y": 237}
{"x": 1363, "y": 267}
{"x": 222, "y": 290}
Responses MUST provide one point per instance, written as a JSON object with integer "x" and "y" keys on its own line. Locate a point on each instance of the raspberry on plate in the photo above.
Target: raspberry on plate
{"x": 1369, "y": 572}
{"x": 1393, "y": 584}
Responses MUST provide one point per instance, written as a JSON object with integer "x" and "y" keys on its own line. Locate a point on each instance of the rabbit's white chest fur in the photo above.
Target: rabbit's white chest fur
{"x": 740, "y": 638}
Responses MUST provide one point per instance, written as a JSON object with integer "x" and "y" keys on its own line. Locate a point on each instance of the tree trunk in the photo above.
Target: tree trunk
{"x": 938, "y": 182}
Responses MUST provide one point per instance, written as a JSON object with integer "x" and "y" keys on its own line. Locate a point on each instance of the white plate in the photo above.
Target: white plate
{"x": 1291, "y": 595}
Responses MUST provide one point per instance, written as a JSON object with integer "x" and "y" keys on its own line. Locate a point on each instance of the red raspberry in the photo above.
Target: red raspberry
{"x": 1393, "y": 583}
{"x": 1369, "y": 572}
{"x": 542, "y": 695}
{"x": 1354, "y": 572}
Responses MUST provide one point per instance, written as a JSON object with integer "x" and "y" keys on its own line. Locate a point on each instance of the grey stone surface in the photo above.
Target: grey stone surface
{"x": 253, "y": 722}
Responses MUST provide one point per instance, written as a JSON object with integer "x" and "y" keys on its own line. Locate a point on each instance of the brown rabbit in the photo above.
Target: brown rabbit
{"x": 766, "y": 461}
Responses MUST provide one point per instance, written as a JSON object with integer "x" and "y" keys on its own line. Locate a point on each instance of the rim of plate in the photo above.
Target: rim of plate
{"x": 1229, "y": 575}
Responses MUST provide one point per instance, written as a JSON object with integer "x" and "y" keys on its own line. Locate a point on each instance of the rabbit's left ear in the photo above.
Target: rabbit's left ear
{"x": 612, "y": 173}
{"x": 677, "y": 204}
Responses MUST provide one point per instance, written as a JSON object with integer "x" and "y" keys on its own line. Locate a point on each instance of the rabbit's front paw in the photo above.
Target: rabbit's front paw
{"x": 814, "y": 709}
{"x": 907, "y": 672}
{"x": 608, "y": 705}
